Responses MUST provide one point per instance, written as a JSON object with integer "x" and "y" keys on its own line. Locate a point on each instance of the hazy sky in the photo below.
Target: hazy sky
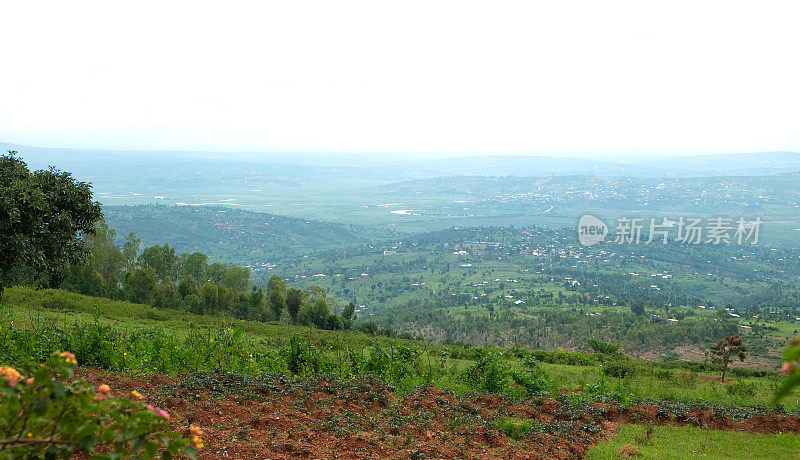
{"x": 551, "y": 77}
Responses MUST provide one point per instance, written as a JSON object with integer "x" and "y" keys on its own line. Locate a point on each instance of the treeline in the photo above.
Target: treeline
{"x": 158, "y": 276}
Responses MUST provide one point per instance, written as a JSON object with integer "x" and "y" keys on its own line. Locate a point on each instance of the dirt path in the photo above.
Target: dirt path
{"x": 514, "y": 310}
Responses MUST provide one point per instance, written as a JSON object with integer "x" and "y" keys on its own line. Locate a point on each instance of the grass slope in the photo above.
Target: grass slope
{"x": 669, "y": 442}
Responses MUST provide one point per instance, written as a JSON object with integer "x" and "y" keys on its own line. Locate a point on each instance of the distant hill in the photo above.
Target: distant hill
{"x": 234, "y": 235}
{"x": 304, "y": 168}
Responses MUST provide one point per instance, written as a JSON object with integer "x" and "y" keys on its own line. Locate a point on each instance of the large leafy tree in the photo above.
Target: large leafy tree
{"x": 162, "y": 259}
{"x": 43, "y": 215}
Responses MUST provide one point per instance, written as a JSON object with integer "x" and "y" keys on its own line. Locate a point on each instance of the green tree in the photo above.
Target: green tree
{"x": 349, "y": 315}
{"x": 726, "y": 350}
{"x": 42, "y": 217}
{"x": 638, "y": 307}
{"x": 276, "y": 283}
{"x": 140, "y": 285}
{"x": 215, "y": 272}
{"x": 320, "y": 313}
{"x": 225, "y": 297}
{"x": 187, "y": 286}
{"x": 294, "y": 300}
{"x": 194, "y": 265}
{"x": 130, "y": 251}
{"x": 277, "y": 302}
{"x": 162, "y": 259}
{"x": 209, "y": 294}
{"x": 236, "y": 278}
{"x": 106, "y": 257}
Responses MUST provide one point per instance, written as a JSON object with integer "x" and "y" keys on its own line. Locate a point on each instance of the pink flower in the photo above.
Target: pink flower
{"x": 158, "y": 411}
{"x": 789, "y": 366}
{"x": 29, "y": 382}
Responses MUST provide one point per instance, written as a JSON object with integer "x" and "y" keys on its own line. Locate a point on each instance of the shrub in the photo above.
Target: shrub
{"x": 620, "y": 369}
{"x": 662, "y": 374}
{"x": 49, "y": 415}
{"x": 741, "y": 388}
{"x": 603, "y": 347}
{"x": 534, "y": 380}
{"x": 303, "y": 359}
{"x": 490, "y": 373}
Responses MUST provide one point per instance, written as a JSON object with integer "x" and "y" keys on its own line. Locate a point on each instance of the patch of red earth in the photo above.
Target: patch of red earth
{"x": 373, "y": 423}
{"x": 567, "y": 391}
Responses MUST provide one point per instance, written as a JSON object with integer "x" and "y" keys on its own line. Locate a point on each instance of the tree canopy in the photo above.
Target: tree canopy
{"x": 42, "y": 217}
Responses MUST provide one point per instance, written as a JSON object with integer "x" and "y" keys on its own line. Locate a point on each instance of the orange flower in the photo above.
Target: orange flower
{"x": 198, "y": 441}
{"x": 789, "y": 366}
{"x": 10, "y": 374}
{"x": 137, "y": 395}
{"x": 29, "y": 382}
{"x": 103, "y": 391}
{"x": 195, "y": 430}
{"x": 68, "y": 357}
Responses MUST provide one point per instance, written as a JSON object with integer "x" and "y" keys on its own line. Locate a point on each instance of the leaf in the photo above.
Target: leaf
{"x": 792, "y": 353}
{"x": 786, "y": 387}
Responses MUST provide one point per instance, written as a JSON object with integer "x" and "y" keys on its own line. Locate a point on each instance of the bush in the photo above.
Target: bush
{"x": 662, "y": 374}
{"x": 534, "y": 380}
{"x": 490, "y": 373}
{"x": 303, "y": 359}
{"x": 603, "y": 347}
{"x": 47, "y": 415}
{"x": 741, "y": 388}
{"x": 572, "y": 358}
{"x": 619, "y": 369}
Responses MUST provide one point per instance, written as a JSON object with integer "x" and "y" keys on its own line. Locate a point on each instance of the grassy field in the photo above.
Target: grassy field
{"x": 667, "y": 442}
{"x": 136, "y": 340}
{"x": 58, "y": 316}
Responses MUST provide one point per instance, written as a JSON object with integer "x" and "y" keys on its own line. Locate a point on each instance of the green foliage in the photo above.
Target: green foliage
{"x": 51, "y": 415}
{"x": 304, "y": 359}
{"x": 396, "y": 364}
{"x": 348, "y": 315}
{"x": 791, "y": 355}
{"x": 277, "y": 303}
{"x": 619, "y": 368}
{"x": 194, "y": 265}
{"x": 294, "y": 300}
{"x": 741, "y": 388}
{"x": 603, "y": 347}
{"x": 490, "y": 373}
{"x": 163, "y": 260}
{"x": 573, "y": 358}
{"x": 140, "y": 285}
{"x": 42, "y": 215}
{"x": 276, "y": 283}
{"x": 534, "y": 380}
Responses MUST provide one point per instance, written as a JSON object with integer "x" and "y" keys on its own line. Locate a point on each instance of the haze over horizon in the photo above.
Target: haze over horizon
{"x": 612, "y": 80}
